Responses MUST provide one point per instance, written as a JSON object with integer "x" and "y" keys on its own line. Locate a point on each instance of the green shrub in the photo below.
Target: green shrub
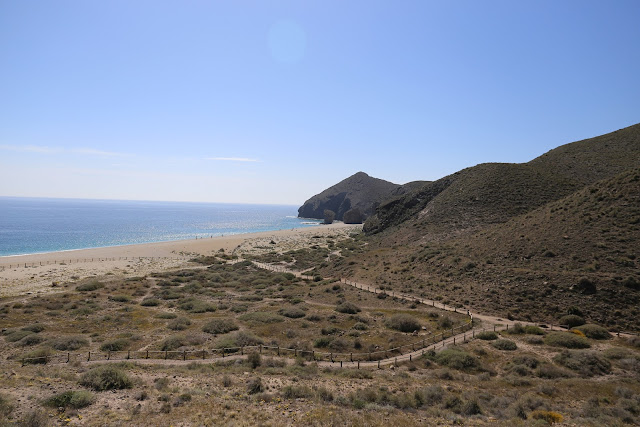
{"x": 193, "y": 305}
{"x": 166, "y": 315}
{"x": 36, "y": 327}
{"x": 292, "y": 312}
{"x": 519, "y": 329}
{"x": 262, "y": 317}
{"x": 150, "y": 302}
{"x": 360, "y": 326}
{"x": 487, "y": 335}
{"x": 254, "y": 360}
{"x": 71, "y": 399}
{"x": 238, "y": 339}
{"x": 322, "y": 342}
{"x": 587, "y": 363}
{"x": 456, "y": 359}
{"x": 445, "y": 322}
{"x": 106, "y": 377}
{"x": 173, "y": 343}
{"x": 507, "y": 345}
{"x": 571, "y": 320}
{"x": 348, "y": 308}
{"x": 595, "y": 332}
{"x": 31, "y": 339}
{"x": 549, "y": 371}
{"x": 566, "y": 340}
{"x": 115, "y": 345}
{"x": 90, "y": 286}
{"x": 17, "y": 335}
{"x": 69, "y": 343}
{"x": 179, "y": 324}
{"x": 403, "y": 323}
{"x": 120, "y": 298}
{"x": 220, "y": 326}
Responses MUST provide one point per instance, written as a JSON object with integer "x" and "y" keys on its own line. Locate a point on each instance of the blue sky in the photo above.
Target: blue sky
{"x": 271, "y": 102}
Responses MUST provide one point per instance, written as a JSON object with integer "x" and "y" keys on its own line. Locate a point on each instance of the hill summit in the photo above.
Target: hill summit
{"x": 359, "y": 193}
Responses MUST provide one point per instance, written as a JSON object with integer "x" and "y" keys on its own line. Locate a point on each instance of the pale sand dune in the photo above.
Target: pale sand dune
{"x": 42, "y": 270}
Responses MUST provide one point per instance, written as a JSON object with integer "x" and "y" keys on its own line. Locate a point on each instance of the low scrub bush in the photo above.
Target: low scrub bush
{"x": 115, "y": 345}
{"x": 16, "y": 336}
{"x": 487, "y": 335}
{"x": 120, "y": 298}
{"x": 31, "y": 339}
{"x": 68, "y": 343}
{"x": 262, "y": 317}
{"x": 90, "y": 286}
{"x": 566, "y": 340}
{"x": 549, "y": 371}
{"x": 220, "y": 326}
{"x": 520, "y": 329}
{"x": 403, "y": 323}
{"x": 547, "y": 416}
{"x": 238, "y": 339}
{"x": 292, "y": 312}
{"x": 39, "y": 356}
{"x": 106, "y": 377}
{"x": 179, "y": 324}
{"x": 71, "y": 399}
{"x": 507, "y": 345}
{"x": 586, "y": 363}
{"x": 254, "y": 385}
{"x": 6, "y": 406}
{"x": 36, "y": 327}
{"x": 571, "y": 320}
{"x": 595, "y": 332}
{"x": 445, "y": 323}
{"x": 150, "y": 302}
{"x": 348, "y": 308}
{"x": 456, "y": 359}
{"x": 193, "y": 305}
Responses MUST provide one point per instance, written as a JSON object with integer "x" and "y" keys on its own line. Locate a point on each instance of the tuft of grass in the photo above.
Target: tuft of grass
{"x": 566, "y": 340}
{"x": 220, "y": 326}
{"x": 71, "y": 399}
{"x": 106, "y": 377}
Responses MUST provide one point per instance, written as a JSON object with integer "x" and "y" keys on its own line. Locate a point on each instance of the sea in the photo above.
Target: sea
{"x": 40, "y": 225}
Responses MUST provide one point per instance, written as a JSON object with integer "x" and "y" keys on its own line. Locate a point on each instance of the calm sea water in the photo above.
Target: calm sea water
{"x": 30, "y": 225}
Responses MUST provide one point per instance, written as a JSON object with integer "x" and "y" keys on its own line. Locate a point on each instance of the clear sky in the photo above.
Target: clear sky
{"x": 273, "y": 101}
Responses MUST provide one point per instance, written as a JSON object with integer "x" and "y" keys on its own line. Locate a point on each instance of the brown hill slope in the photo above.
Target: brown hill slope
{"x": 579, "y": 251}
{"x": 490, "y": 193}
{"x": 359, "y": 191}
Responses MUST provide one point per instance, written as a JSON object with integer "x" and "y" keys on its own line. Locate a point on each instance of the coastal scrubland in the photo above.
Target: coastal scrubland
{"x": 527, "y": 375}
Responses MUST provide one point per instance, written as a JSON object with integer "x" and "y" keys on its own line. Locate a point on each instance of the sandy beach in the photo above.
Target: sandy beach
{"x": 42, "y": 273}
